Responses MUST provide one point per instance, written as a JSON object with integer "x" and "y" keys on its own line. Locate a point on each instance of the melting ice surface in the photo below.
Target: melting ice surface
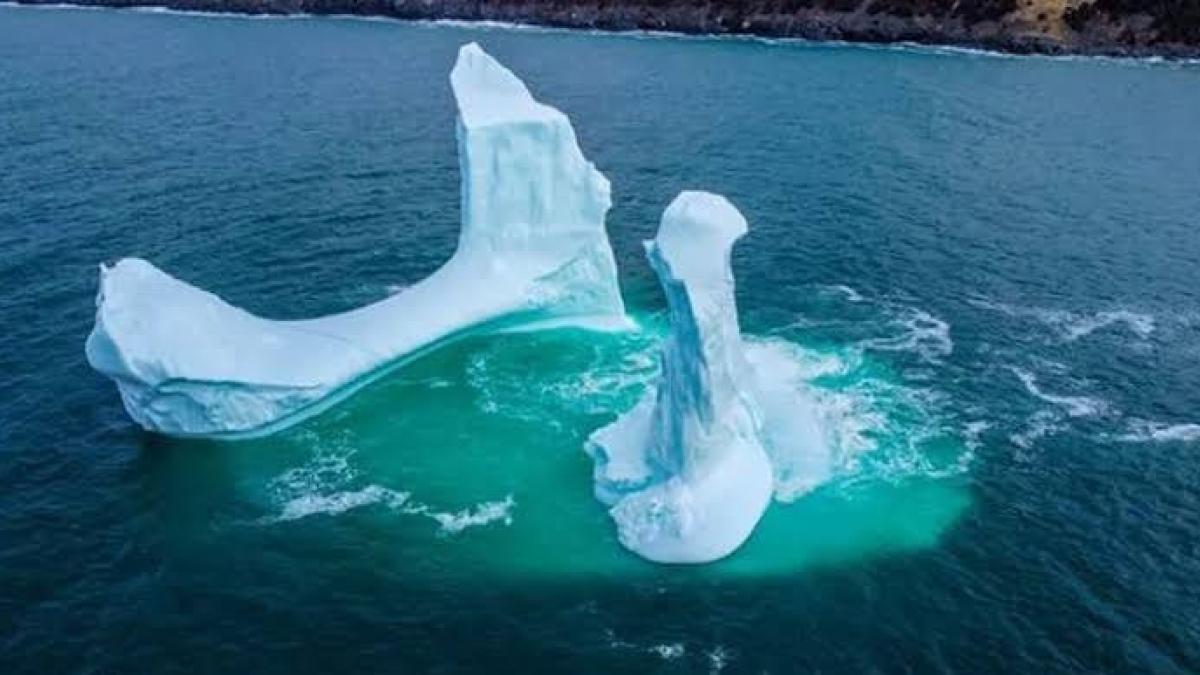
{"x": 531, "y": 252}
{"x": 687, "y": 472}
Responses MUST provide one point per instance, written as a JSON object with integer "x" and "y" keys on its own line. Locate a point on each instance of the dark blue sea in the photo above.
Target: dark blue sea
{"x": 985, "y": 269}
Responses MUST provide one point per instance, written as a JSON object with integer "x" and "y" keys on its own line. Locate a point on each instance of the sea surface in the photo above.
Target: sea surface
{"x": 985, "y": 270}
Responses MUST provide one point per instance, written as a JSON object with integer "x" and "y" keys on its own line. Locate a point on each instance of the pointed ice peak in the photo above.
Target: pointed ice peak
{"x": 533, "y": 253}
{"x": 488, "y": 93}
{"x": 697, "y": 232}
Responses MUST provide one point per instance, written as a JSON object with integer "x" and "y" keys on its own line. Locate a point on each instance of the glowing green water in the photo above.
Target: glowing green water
{"x": 469, "y": 462}
{"x": 987, "y": 264}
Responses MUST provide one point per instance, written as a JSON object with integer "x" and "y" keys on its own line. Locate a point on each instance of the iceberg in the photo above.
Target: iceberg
{"x": 532, "y": 253}
{"x": 688, "y": 472}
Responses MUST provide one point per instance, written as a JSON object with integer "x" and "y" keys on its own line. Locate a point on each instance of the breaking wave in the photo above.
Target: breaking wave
{"x": 595, "y": 377}
{"x": 1057, "y": 419}
{"x": 1074, "y": 406}
{"x": 1147, "y": 431}
{"x": 716, "y": 658}
{"x": 921, "y": 333}
{"x": 1041, "y": 424}
{"x": 1048, "y": 422}
{"x": 483, "y": 513}
{"x": 875, "y": 426}
{"x": 334, "y": 503}
{"x": 669, "y": 651}
{"x": 1070, "y": 326}
{"x": 324, "y": 487}
{"x": 877, "y": 324}
{"x": 907, "y": 47}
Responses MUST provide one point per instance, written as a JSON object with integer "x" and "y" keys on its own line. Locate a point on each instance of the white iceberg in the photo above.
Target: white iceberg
{"x": 689, "y": 471}
{"x": 532, "y": 252}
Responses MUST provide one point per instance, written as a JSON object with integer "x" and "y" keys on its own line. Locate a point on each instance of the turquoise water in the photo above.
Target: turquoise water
{"x": 983, "y": 268}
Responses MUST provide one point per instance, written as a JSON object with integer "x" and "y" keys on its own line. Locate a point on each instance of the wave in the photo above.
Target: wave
{"x": 480, "y": 514}
{"x": 589, "y": 377}
{"x": 874, "y": 426}
{"x": 1147, "y": 431}
{"x": 1075, "y": 406}
{"x": 158, "y": 9}
{"x": 1041, "y": 424}
{"x": 668, "y": 651}
{"x": 807, "y": 450}
{"x": 717, "y": 657}
{"x": 332, "y": 504}
{"x": 924, "y": 334}
{"x": 1142, "y": 325}
{"x": 323, "y": 486}
{"x": 973, "y": 433}
{"x": 1070, "y": 326}
{"x": 845, "y": 291}
{"x": 917, "y": 48}
{"x": 449, "y": 522}
{"x": 329, "y": 470}
{"x": 1044, "y": 423}
{"x": 958, "y": 50}
{"x": 877, "y": 426}
{"x": 905, "y": 328}
{"x": 904, "y": 46}
{"x": 336, "y": 503}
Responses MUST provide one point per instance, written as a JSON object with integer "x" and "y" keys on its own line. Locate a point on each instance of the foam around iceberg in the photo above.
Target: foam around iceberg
{"x": 532, "y": 252}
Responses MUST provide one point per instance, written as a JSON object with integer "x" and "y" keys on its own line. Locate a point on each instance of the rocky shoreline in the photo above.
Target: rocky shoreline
{"x": 1139, "y": 28}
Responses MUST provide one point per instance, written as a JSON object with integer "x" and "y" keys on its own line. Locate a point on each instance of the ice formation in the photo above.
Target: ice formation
{"x": 688, "y": 472}
{"x": 532, "y": 252}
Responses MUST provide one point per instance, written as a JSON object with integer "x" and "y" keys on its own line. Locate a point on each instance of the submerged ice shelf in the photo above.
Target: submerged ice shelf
{"x": 688, "y": 471}
{"x": 687, "y": 474}
{"x": 532, "y": 252}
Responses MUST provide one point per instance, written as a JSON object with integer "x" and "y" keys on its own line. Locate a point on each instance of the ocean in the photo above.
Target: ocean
{"x": 983, "y": 268}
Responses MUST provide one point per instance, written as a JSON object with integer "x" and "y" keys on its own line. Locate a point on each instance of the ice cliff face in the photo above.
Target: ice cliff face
{"x": 532, "y": 252}
{"x": 686, "y": 472}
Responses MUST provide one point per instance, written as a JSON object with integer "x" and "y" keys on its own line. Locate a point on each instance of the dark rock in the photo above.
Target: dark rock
{"x": 1114, "y": 27}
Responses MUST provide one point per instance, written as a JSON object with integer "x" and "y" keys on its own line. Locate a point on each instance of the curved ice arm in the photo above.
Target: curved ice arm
{"x": 532, "y": 251}
{"x": 685, "y": 472}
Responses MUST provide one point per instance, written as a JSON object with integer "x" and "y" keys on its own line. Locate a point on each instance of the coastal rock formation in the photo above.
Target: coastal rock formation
{"x": 1111, "y": 27}
{"x": 532, "y": 252}
{"x": 1173, "y": 26}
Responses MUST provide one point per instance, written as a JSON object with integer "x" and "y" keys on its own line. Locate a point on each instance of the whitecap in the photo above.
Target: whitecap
{"x": 668, "y": 651}
{"x": 907, "y": 47}
{"x": 1147, "y": 431}
{"x": 867, "y": 428}
{"x": 504, "y": 385}
{"x": 1041, "y": 424}
{"x": 1070, "y": 326}
{"x": 845, "y": 291}
{"x": 478, "y": 515}
{"x": 1075, "y": 406}
{"x": 324, "y": 486}
{"x": 306, "y": 505}
{"x": 329, "y": 470}
{"x": 924, "y": 334}
{"x": 718, "y": 658}
{"x": 1141, "y": 325}
{"x": 973, "y": 432}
